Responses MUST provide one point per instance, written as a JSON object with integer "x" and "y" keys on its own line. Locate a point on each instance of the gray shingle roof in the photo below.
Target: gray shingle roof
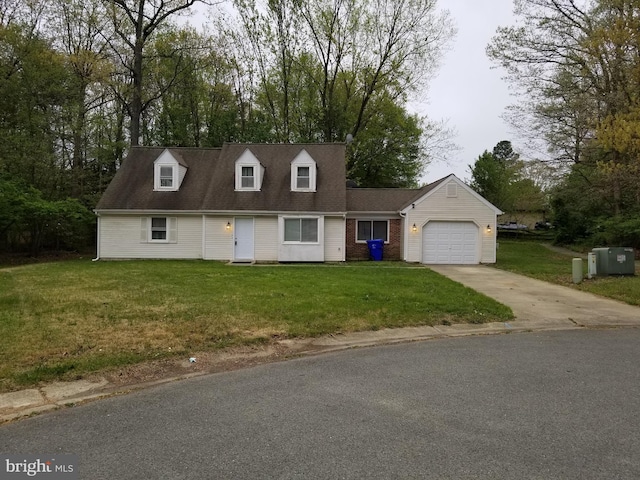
{"x": 209, "y": 182}
{"x": 385, "y": 199}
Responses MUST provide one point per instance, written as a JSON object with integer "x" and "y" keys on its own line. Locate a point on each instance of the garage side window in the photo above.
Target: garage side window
{"x": 372, "y": 230}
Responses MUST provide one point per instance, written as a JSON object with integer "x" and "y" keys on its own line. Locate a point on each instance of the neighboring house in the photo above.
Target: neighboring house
{"x": 282, "y": 203}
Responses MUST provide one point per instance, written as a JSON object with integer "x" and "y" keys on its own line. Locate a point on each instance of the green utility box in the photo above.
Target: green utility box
{"x": 615, "y": 261}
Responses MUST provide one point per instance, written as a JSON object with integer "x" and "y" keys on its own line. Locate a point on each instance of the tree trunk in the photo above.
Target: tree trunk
{"x": 135, "y": 108}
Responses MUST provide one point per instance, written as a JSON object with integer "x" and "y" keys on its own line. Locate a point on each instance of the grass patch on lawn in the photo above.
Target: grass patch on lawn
{"x": 537, "y": 261}
{"x": 61, "y": 320}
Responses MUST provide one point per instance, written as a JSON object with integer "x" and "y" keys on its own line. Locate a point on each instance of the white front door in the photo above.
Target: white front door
{"x": 450, "y": 243}
{"x": 243, "y": 239}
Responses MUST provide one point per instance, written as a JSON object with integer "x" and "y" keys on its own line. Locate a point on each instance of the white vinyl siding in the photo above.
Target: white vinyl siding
{"x": 127, "y": 236}
{"x": 437, "y": 205}
{"x": 266, "y": 235}
{"x": 218, "y": 239}
{"x": 334, "y": 239}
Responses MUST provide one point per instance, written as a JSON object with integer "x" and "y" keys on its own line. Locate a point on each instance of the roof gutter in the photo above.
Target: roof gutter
{"x": 239, "y": 213}
{"x": 405, "y": 231}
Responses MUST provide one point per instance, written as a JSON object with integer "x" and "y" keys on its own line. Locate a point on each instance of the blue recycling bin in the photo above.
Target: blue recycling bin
{"x": 375, "y": 249}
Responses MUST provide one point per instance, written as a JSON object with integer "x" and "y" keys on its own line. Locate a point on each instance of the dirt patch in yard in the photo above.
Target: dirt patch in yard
{"x": 203, "y": 363}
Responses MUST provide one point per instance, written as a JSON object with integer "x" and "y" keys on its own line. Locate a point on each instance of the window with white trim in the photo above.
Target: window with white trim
{"x": 247, "y": 179}
{"x": 302, "y": 230}
{"x": 159, "y": 229}
{"x": 372, "y": 230}
{"x": 303, "y": 173}
{"x": 303, "y": 178}
{"x": 168, "y": 173}
{"x": 249, "y": 173}
{"x": 166, "y": 176}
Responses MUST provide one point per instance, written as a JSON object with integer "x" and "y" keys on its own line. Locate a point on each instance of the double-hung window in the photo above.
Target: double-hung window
{"x": 247, "y": 179}
{"x": 159, "y": 229}
{"x": 373, "y": 230}
{"x": 303, "y": 230}
{"x": 166, "y": 176}
{"x": 303, "y": 178}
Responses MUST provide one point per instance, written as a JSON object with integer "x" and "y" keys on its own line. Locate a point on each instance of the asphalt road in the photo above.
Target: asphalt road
{"x": 548, "y": 405}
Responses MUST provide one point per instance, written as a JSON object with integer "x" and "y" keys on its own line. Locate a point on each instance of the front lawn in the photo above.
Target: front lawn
{"x": 61, "y": 320}
{"x": 535, "y": 260}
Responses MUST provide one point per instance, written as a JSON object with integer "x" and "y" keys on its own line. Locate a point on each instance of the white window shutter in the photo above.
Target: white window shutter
{"x": 173, "y": 229}
{"x": 144, "y": 232}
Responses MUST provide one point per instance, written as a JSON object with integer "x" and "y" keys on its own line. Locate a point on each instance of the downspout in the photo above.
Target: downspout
{"x": 204, "y": 236}
{"x": 405, "y": 232}
{"x": 344, "y": 237}
{"x": 97, "y": 239}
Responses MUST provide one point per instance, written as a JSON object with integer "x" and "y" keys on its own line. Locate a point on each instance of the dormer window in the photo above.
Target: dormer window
{"x": 166, "y": 176}
{"x": 249, "y": 172}
{"x": 302, "y": 179}
{"x": 303, "y": 173}
{"x": 247, "y": 179}
{"x": 168, "y": 172}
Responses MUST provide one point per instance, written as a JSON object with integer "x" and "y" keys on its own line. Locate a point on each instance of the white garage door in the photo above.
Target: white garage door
{"x": 450, "y": 242}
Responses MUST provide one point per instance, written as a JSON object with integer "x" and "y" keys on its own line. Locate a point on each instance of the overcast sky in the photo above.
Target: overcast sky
{"x": 466, "y": 91}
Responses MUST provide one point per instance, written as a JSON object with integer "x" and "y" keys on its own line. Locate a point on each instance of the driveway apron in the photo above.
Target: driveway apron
{"x": 538, "y": 301}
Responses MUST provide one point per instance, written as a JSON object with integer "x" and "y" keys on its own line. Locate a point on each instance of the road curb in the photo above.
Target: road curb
{"x": 20, "y": 404}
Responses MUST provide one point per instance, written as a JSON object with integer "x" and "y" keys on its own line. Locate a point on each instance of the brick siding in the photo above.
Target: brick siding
{"x": 360, "y": 251}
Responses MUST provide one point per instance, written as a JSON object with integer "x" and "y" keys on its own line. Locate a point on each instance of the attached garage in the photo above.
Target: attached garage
{"x": 450, "y": 243}
{"x": 447, "y": 222}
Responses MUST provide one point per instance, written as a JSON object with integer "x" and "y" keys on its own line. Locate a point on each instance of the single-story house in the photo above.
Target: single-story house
{"x": 282, "y": 203}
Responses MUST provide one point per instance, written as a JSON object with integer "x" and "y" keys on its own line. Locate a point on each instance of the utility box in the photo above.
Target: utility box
{"x": 592, "y": 271}
{"x": 615, "y": 261}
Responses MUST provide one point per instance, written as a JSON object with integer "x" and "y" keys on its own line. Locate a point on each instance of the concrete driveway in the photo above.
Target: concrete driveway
{"x": 542, "y": 302}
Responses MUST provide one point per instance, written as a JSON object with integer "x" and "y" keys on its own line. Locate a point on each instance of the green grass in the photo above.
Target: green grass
{"x": 62, "y": 320}
{"x": 535, "y": 260}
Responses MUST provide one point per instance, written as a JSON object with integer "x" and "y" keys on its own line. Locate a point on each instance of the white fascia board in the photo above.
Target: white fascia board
{"x": 148, "y": 212}
{"x": 461, "y": 184}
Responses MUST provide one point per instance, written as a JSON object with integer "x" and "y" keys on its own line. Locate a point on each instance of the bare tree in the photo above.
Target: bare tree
{"x": 135, "y": 22}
